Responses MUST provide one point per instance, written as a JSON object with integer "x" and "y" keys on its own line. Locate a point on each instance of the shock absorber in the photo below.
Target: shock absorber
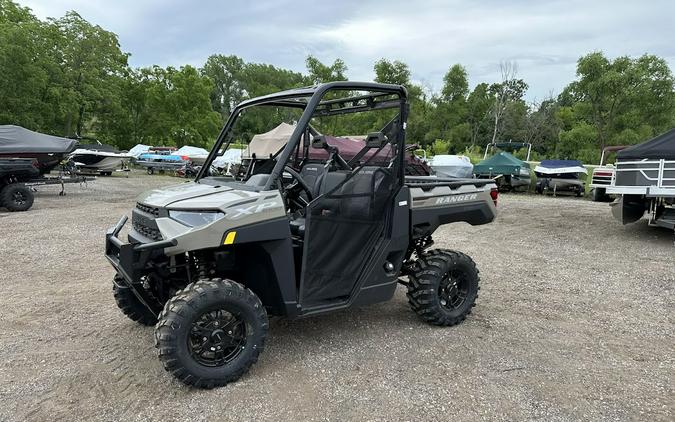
{"x": 200, "y": 265}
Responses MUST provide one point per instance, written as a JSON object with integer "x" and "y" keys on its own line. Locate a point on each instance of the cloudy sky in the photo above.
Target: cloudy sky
{"x": 545, "y": 38}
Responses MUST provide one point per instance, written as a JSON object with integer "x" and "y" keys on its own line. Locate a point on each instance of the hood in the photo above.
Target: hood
{"x": 194, "y": 196}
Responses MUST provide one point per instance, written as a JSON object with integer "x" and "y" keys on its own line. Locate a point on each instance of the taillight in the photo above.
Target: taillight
{"x": 494, "y": 194}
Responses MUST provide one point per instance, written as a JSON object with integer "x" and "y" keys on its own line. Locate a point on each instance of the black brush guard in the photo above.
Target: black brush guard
{"x": 130, "y": 260}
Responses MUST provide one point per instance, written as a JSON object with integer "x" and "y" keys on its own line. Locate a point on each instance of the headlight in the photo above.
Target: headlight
{"x": 196, "y": 219}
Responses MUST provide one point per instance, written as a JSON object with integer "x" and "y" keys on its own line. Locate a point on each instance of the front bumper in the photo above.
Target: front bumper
{"x": 131, "y": 261}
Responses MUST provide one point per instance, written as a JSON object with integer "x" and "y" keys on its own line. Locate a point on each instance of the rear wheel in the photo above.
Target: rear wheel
{"x": 130, "y": 305}
{"x": 211, "y": 332}
{"x": 16, "y": 197}
{"x": 151, "y": 170}
{"x": 443, "y": 287}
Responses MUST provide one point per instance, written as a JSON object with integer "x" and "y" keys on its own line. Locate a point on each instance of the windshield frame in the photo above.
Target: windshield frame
{"x": 309, "y": 99}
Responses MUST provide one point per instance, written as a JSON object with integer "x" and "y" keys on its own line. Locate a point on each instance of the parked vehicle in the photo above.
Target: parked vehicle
{"x": 561, "y": 176}
{"x": 49, "y": 151}
{"x": 452, "y": 166}
{"x": 196, "y": 155}
{"x": 602, "y": 175}
{"x": 510, "y": 173}
{"x": 207, "y": 261}
{"x": 644, "y": 182}
{"x": 161, "y": 159}
{"x": 99, "y": 159}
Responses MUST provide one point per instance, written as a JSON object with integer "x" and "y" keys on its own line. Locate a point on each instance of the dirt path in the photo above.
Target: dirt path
{"x": 575, "y": 321}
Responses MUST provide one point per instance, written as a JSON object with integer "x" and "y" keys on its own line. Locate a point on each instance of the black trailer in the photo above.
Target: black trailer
{"x": 20, "y": 176}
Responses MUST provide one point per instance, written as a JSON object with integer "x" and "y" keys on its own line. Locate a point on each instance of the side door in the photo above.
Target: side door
{"x": 343, "y": 225}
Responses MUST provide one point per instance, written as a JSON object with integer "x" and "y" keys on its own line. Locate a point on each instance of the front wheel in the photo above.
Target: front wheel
{"x": 443, "y": 287}
{"x": 211, "y": 332}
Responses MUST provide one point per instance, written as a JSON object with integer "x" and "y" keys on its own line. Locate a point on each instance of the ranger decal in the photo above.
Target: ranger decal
{"x": 456, "y": 198}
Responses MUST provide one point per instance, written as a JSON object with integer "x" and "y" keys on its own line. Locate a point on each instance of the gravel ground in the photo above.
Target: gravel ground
{"x": 575, "y": 321}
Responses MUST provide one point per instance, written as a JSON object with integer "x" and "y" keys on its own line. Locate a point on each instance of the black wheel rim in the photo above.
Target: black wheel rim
{"x": 19, "y": 198}
{"x": 217, "y": 338}
{"x": 453, "y": 290}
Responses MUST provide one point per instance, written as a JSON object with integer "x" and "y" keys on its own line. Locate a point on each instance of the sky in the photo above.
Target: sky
{"x": 544, "y": 38}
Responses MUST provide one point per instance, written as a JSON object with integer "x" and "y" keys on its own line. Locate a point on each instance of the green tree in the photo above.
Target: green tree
{"x": 619, "y": 96}
{"x": 321, "y": 73}
{"x": 91, "y": 61}
{"x": 180, "y": 107}
{"x": 29, "y": 70}
{"x": 389, "y": 72}
{"x": 479, "y": 104}
{"x": 455, "y": 84}
{"x": 225, "y": 73}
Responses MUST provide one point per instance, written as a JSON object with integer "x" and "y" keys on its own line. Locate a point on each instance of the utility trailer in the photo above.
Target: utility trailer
{"x": 644, "y": 182}
{"x": 20, "y": 176}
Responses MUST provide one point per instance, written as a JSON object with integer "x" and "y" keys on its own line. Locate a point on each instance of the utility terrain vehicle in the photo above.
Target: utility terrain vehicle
{"x": 207, "y": 261}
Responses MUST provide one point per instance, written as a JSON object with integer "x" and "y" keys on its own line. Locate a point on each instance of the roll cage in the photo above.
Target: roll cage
{"x": 311, "y": 101}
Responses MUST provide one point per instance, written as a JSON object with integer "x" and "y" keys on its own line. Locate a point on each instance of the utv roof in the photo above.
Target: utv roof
{"x": 299, "y": 97}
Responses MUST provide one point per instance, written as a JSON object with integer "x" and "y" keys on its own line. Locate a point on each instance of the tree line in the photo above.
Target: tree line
{"x": 68, "y": 77}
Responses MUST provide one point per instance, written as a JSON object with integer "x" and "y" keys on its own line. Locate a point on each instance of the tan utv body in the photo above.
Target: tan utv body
{"x": 208, "y": 261}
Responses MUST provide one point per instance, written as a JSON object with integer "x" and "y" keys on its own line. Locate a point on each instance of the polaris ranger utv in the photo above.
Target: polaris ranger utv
{"x": 207, "y": 261}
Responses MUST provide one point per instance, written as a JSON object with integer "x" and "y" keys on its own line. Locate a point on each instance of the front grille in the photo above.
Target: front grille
{"x": 146, "y": 208}
{"x": 146, "y": 231}
{"x": 143, "y": 221}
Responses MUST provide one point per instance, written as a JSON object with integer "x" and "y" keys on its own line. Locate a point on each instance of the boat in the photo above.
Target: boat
{"x": 458, "y": 166}
{"x": 49, "y": 151}
{"x": 99, "y": 158}
{"x": 266, "y": 145}
{"x": 510, "y": 173}
{"x": 161, "y": 159}
{"x": 644, "y": 182}
{"x": 196, "y": 155}
{"x": 138, "y": 149}
{"x": 561, "y": 176}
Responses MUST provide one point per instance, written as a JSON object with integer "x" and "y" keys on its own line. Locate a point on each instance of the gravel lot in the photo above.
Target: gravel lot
{"x": 575, "y": 321}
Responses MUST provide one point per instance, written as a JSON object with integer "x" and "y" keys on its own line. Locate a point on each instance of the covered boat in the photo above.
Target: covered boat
{"x": 558, "y": 176}
{"x": 509, "y": 172}
{"x": 644, "y": 181}
{"x": 458, "y": 166}
{"x": 266, "y": 145}
{"x": 48, "y": 150}
{"x": 139, "y": 149}
{"x": 195, "y": 154}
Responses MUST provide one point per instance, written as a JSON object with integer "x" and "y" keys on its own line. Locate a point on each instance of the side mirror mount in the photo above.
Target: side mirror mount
{"x": 376, "y": 140}
{"x": 319, "y": 142}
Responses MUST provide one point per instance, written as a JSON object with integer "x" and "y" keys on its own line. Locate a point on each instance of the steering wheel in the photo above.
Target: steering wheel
{"x": 292, "y": 191}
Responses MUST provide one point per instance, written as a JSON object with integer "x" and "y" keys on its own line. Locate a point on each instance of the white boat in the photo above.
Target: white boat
{"x": 458, "y": 166}
{"x": 196, "y": 155}
{"x": 102, "y": 159}
{"x": 558, "y": 176}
